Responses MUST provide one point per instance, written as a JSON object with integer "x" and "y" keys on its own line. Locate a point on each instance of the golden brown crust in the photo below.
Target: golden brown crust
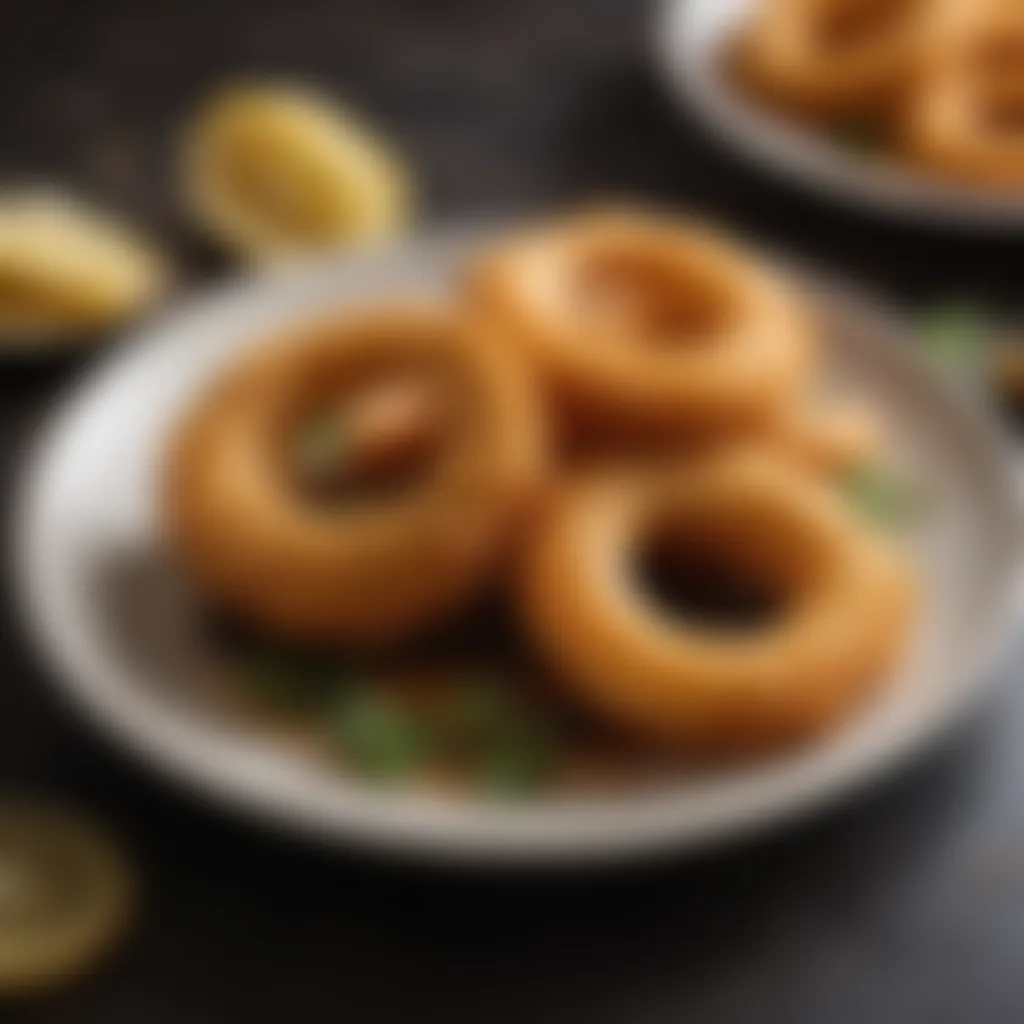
{"x": 851, "y": 602}
{"x": 965, "y": 113}
{"x": 941, "y": 80}
{"x": 640, "y": 325}
{"x": 362, "y": 573}
{"x": 831, "y": 58}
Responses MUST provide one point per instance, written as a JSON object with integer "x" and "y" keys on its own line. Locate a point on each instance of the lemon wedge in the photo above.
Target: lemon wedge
{"x": 67, "y": 268}
{"x": 273, "y": 172}
{"x": 66, "y": 895}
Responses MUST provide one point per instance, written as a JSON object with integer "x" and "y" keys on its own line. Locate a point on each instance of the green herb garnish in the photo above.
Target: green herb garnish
{"x": 508, "y": 748}
{"x": 279, "y": 681}
{"x": 473, "y": 710}
{"x": 381, "y": 738}
{"x": 953, "y": 335}
{"x": 519, "y": 763}
{"x": 319, "y": 447}
{"x": 885, "y": 497}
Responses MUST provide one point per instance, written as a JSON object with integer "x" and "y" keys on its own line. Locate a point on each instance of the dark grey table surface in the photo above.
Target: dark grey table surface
{"x": 907, "y": 905}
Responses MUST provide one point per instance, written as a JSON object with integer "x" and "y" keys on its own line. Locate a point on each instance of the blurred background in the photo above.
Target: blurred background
{"x": 906, "y": 906}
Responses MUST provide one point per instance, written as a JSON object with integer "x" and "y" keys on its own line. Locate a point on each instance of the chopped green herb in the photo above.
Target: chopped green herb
{"x": 278, "y": 681}
{"x": 860, "y": 134}
{"x": 475, "y": 709}
{"x": 885, "y": 497}
{"x": 380, "y": 738}
{"x": 519, "y": 763}
{"x": 953, "y": 335}
{"x": 503, "y": 745}
{"x": 319, "y": 446}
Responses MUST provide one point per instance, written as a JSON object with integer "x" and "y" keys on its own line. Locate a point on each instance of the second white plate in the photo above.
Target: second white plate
{"x": 690, "y": 40}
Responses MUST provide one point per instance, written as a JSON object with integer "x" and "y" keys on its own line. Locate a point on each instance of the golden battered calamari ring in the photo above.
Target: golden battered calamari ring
{"x": 359, "y": 571}
{"x": 639, "y": 324}
{"x": 834, "y": 58}
{"x": 276, "y": 171}
{"x": 964, "y": 117}
{"x": 65, "y": 267}
{"x": 848, "y": 602}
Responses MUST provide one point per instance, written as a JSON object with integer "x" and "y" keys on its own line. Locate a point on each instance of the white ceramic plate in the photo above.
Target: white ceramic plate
{"x": 104, "y": 606}
{"x": 689, "y": 39}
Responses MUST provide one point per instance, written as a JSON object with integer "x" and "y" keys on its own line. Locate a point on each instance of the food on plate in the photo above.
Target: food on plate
{"x": 266, "y": 517}
{"x": 831, "y": 58}
{"x": 67, "y": 896}
{"x": 965, "y": 116}
{"x": 472, "y": 715}
{"x": 275, "y": 171}
{"x": 836, "y": 596}
{"x": 67, "y": 269}
{"x": 934, "y": 84}
{"x": 642, "y": 324}
{"x": 391, "y": 495}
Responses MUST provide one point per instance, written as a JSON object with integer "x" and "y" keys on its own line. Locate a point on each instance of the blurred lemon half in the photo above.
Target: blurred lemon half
{"x": 66, "y": 268}
{"x": 66, "y": 895}
{"x": 276, "y": 171}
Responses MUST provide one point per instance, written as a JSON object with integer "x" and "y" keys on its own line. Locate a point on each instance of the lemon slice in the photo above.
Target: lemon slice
{"x": 277, "y": 171}
{"x": 66, "y": 268}
{"x": 66, "y": 894}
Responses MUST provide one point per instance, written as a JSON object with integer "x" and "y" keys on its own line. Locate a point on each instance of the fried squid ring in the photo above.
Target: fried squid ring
{"x": 359, "y": 567}
{"x": 965, "y": 118}
{"x": 638, "y": 324}
{"x": 830, "y": 58}
{"x": 846, "y": 602}
{"x": 275, "y": 171}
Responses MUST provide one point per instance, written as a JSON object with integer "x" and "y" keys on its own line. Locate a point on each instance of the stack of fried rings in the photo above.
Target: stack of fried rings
{"x": 944, "y": 77}
{"x": 737, "y": 483}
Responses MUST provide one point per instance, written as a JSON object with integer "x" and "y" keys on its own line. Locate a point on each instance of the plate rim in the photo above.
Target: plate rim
{"x": 417, "y": 828}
